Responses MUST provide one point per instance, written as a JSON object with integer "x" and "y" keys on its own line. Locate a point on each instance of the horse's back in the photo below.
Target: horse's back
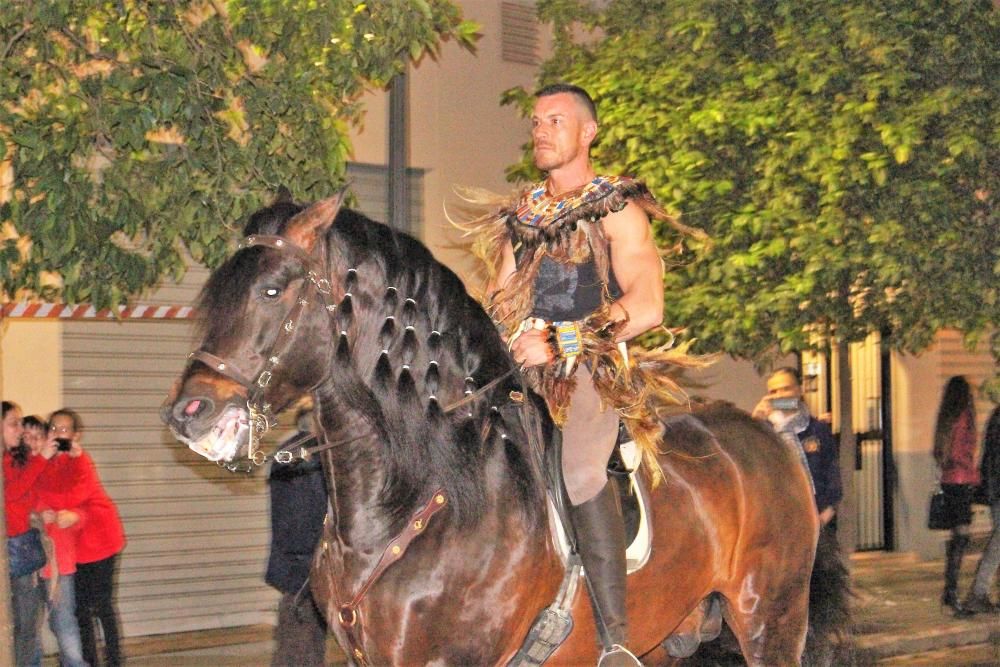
{"x": 732, "y": 492}
{"x": 733, "y": 516}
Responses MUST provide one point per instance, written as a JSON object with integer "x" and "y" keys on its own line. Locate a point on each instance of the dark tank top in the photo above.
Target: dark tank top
{"x": 569, "y": 291}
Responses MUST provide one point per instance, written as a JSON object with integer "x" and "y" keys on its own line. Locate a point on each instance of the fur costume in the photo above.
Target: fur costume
{"x": 639, "y": 384}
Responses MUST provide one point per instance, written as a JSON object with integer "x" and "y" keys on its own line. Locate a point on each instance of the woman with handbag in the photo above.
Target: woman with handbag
{"x": 955, "y": 455}
{"x": 24, "y": 548}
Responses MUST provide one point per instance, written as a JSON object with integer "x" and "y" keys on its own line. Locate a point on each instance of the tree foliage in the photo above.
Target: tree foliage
{"x": 134, "y": 133}
{"x": 844, "y": 158}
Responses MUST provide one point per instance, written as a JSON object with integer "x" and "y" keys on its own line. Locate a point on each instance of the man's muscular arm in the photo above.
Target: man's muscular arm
{"x": 638, "y": 269}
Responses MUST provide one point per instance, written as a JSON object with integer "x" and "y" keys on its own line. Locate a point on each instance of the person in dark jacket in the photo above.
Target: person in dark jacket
{"x": 784, "y": 410}
{"x": 978, "y": 601}
{"x": 298, "y": 507}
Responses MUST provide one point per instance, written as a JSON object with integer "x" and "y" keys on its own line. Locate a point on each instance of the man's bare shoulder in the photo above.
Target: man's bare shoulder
{"x": 630, "y": 223}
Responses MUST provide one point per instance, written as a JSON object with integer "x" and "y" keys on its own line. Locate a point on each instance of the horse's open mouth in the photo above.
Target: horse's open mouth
{"x": 228, "y": 436}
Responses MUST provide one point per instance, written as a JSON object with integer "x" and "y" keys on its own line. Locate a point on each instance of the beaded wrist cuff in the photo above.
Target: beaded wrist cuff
{"x": 567, "y": 339}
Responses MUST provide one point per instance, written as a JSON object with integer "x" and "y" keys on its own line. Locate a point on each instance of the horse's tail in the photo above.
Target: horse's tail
{"x": 828, "y": 641}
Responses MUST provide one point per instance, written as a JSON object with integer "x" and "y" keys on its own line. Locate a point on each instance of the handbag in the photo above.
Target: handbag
{"x": 938, "y": 516}
{"x": 25, "y": 553}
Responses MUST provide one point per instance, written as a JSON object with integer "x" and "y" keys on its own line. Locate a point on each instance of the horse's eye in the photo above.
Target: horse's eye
{"x": 270, "y": 293}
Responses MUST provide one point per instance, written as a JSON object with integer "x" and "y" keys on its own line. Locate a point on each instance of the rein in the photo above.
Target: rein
{"x": 286, "y": 453}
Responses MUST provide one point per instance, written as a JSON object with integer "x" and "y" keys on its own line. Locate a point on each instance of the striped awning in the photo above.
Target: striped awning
{"x": 66, "y": 311}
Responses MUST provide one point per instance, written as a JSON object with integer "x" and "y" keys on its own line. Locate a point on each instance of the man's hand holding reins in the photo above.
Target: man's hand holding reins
{"x": 532, "y": 348}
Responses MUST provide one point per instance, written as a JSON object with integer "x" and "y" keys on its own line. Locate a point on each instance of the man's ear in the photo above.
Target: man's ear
{"x": 589, "y": 131}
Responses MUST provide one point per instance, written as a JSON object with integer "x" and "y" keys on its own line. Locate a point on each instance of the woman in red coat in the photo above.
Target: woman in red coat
{"x": 20, "y": 471}
{"x": 57, "y": 492}
{"x": 100, "y": 539}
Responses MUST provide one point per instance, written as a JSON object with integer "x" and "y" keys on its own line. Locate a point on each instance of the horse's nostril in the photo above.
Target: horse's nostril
{"x": 186, "y": 411}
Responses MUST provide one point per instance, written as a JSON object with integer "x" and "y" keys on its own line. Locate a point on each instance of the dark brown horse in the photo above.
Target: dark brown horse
{"x": 437, "y": 546}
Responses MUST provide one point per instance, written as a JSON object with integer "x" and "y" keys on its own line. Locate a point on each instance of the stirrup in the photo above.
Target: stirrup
{"x": 618, "y": 656}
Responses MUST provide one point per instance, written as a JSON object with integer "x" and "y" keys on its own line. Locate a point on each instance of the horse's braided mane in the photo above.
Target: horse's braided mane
{"x": 412, "y": 336}
{"x": 419, "y": 336}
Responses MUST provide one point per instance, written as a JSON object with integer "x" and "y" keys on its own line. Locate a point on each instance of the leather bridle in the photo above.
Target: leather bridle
{"x": 261, "y": 417}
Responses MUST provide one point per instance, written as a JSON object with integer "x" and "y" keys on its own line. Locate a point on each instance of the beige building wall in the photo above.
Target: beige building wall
{"x": 917, "y": 383}
{"x": 31, "y": 364}
{"x": 734, "y": 380}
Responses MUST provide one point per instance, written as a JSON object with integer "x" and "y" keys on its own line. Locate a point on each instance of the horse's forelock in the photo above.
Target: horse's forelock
{"x": 223, "y": 299}
{"x": 272, "y": 219}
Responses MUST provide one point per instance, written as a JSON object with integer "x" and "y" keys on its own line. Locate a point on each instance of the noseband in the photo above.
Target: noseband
{"x": 261, "y": 417}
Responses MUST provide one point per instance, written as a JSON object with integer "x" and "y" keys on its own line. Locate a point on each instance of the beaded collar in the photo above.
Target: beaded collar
{"x": 538, "y": 208}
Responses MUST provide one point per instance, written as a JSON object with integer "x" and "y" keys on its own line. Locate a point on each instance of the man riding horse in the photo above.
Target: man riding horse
{"x": 575, "y": 273}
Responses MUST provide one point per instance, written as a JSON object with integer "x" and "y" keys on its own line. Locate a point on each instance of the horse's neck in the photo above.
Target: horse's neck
{"x": 352, "y": 465}
{"x": 372, "y": 497}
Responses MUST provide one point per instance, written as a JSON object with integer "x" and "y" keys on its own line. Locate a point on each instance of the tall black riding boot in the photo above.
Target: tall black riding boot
{"x": 954, "y": 551}
{"x": 601, "y": 541}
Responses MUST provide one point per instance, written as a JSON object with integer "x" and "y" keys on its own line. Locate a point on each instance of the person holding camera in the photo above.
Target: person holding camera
{"x": 99, "y": 541}
{"x": 59, "y": 492}
{"x": 784, "y": 409}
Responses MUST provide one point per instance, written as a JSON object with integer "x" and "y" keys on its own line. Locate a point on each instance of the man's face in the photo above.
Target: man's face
{"x": 561, "y": 131}
{"x": 783, "y": 385}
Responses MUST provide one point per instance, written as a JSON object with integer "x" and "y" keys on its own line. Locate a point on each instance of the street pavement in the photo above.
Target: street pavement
{"x": 897, "y": 613}
{"x": 897, "y": 620}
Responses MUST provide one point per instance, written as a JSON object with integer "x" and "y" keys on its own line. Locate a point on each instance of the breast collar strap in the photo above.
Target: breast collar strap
{"x": 348, "y": 613}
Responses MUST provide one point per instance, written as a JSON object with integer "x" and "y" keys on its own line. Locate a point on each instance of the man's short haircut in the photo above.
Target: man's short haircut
{"x": 581, "y": 95}
{"x": 790, "y": 370}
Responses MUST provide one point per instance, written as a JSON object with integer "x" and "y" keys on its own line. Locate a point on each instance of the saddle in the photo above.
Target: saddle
{"x": 623, "y": 466}
{"x": 633, "y": 496}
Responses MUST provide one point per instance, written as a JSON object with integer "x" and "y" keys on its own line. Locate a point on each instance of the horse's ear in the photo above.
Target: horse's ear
{"x": 308, "y": 225}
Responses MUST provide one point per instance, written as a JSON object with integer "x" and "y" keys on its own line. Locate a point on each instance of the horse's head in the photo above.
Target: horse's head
{"x": 257, "y": 311}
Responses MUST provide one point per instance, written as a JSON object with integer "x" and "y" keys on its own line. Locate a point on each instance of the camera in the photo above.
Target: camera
{"x": 64, "y": 444}
{"x": 784, "y": 403}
